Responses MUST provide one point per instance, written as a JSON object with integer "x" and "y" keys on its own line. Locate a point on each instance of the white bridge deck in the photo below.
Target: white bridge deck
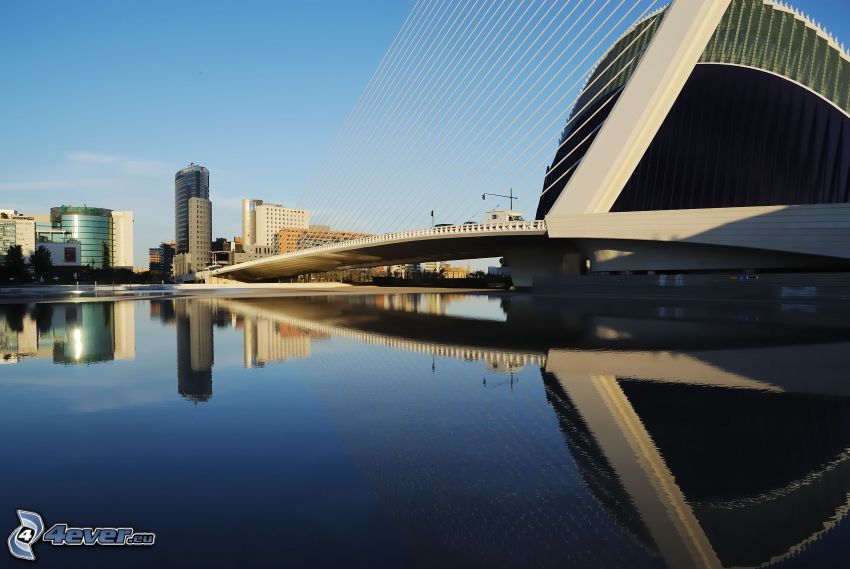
{"x": 469, "y": 241}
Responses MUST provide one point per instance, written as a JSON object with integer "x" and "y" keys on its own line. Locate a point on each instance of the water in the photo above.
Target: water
{"x": 429, "y": 430}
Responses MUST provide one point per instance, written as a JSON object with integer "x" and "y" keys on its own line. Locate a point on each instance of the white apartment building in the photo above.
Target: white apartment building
{"x": 261, "y": 222}
{"x": 25, "y": 233}
{"x": 24, "y": 230}
{"x": 122, "y": 239}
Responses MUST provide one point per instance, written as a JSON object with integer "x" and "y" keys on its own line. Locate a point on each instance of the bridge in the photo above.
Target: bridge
{"x": 647, "y": 174}
{"x": 468, "y": 241}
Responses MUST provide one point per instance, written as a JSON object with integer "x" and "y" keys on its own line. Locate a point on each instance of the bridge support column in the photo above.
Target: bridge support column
{"x": 527, "y": 265}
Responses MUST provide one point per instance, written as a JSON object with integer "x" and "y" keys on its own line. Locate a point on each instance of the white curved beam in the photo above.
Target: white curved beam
{"x": 638, "y": 114}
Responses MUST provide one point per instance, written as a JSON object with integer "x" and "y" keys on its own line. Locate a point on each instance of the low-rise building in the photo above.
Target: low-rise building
{"x": 65, "y": 254}
{"x": 296, "y": 239}
{"x": 161, "y": 259}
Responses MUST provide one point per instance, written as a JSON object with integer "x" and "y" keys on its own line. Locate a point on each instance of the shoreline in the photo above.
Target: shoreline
{"x": 101, "y": 293}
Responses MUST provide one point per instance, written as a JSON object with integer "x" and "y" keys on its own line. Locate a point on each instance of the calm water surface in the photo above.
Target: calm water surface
{"x": 430, "y": 430}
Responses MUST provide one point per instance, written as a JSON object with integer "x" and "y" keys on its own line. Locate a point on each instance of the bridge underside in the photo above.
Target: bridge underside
{"x": 435, "y": 248}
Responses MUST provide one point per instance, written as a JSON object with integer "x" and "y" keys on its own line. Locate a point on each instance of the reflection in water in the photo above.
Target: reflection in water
{"x": 69, "y": 333}
{"x": 707, "y": 435}
{"x": 682, "y": 428}
{"x": 194, "y": 322}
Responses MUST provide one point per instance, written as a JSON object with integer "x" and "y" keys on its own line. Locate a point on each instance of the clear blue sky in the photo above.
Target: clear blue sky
{"x": 103, "y": 100}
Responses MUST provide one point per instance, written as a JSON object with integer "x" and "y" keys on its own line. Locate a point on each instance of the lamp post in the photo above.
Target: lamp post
{"x": 510, "y": 196}
{"x": 432, "y": 218}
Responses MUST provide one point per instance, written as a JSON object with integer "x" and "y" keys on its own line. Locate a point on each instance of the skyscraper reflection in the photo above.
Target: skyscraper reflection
{"x": 194, "y": 324}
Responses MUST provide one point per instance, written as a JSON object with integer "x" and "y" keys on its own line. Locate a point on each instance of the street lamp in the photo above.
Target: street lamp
{"x": 510, "y": 196}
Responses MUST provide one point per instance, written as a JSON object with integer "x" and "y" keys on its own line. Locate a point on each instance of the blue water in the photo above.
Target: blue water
{"x": 429, "y": 431}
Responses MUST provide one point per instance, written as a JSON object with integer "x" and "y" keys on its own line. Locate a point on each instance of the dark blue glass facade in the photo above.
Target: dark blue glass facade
{"x": 190, "y": 182}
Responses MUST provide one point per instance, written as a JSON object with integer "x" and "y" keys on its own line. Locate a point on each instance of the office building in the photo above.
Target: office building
{"x": 200, "y": 232}
{"x": 262, "y": 222}
{"x": 192, "y": 220}
{"x": 161, "y": 259}
{"x": 199, "y": 224}
{"x": 249, "y": 221}
{"x": 190, "y": 182}
{"x": 24, "y": 231}
{"x": 8, "y": 236}
{"x": 105, "y": 236}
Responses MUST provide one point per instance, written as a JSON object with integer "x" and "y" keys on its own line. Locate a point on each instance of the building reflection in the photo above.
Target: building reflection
{"x": 194, "y": 322}
{"x": 691, "y": 424}
{"x": 265, "y": 340}
{"x": 68, "y": 333}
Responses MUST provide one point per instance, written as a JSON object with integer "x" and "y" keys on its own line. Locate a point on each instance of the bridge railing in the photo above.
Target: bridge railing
{"x": 498, "y": 226}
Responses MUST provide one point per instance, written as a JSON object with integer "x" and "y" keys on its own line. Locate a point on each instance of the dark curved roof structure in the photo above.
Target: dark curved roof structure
{"x": 763, "y": 119}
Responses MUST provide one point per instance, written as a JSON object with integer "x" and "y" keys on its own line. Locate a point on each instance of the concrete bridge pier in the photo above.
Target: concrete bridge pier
{"x": 554, "y": 260}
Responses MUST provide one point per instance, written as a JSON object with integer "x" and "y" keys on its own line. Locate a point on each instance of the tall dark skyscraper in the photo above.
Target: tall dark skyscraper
{"x": 190, "y": 182}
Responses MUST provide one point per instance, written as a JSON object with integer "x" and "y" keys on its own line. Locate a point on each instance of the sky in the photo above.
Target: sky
{"x": 104, "y": 100}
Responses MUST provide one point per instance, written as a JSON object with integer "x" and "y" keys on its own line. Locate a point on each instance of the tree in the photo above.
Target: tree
{"x": 41, "y": 263}
{"x": 42, "y": 313}
{"x": 105, "y": 250}
{"x": 15, "y": 316}
{"x": 16, "y": 268}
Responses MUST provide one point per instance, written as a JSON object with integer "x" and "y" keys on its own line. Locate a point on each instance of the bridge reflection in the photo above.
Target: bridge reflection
{"x": 716, "y": 435}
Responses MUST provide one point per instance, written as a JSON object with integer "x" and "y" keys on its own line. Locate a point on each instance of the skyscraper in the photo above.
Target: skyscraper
{"x": 192, "y": 219}
{"x": 190, "y": 182}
